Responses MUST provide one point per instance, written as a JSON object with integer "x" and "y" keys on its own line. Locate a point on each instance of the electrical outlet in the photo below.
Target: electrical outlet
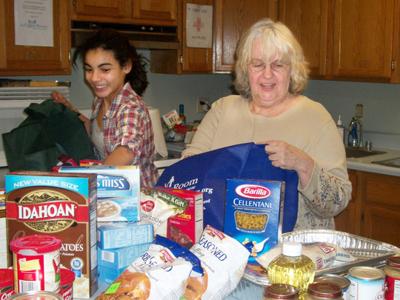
{"x": 202, "y": 105}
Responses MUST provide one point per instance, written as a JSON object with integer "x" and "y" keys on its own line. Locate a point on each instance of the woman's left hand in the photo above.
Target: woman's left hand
{"x": 286, "y": 156}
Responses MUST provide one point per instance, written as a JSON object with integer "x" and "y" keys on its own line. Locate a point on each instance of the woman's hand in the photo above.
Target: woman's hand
{"x": 59, "y": 98}
{"x": 286, "y": 156}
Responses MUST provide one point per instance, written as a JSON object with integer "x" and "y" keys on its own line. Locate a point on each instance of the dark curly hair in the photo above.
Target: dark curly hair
{"x": 124, "y": 52}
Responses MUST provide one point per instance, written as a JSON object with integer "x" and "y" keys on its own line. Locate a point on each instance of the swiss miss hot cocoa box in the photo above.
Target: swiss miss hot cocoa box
{"x": 61, "y": 205}
{"x": 253, "y": 213}
{"x": 186, "y": 228}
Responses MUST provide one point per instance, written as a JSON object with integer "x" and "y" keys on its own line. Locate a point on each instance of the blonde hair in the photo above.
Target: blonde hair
{"x": 277, "y": 39}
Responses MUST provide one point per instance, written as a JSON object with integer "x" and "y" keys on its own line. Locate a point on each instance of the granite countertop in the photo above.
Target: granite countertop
{"x": 365, "y": 163}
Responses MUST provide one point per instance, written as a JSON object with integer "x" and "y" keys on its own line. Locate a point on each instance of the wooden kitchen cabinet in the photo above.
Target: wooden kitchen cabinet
{"x": 346, "y": 39}
{"x": 308, "y": 20}
{"x": 232, "y": 19}
{"x": 33, "y": 60}
{"x": 381, "y": 207}
{"x": 363, "y": 39}
{"x": 185, "y": 59}
{"x": 143, "y": 12}
{"x": 374, "y": 209}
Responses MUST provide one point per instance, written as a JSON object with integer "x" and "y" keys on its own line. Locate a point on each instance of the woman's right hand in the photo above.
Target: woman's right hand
{"x": 59, "y": 98}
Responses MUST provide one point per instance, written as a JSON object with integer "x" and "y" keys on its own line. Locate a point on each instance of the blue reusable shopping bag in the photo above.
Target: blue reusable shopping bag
{"x": 207, "y": 172}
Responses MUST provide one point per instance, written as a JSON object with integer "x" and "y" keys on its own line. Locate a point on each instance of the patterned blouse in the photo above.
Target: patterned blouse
{"x": 127, "y": 123}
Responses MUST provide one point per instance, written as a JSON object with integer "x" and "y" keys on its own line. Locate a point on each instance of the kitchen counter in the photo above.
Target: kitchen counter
{"x": 365, "y": 163}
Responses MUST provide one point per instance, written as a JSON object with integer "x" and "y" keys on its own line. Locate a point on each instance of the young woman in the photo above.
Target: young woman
{"x": 120, "y": 125}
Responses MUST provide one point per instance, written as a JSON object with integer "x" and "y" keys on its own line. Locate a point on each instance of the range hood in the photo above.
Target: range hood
{"x": 141, "y": 36}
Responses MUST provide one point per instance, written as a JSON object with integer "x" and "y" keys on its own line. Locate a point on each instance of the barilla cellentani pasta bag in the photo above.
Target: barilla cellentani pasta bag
{"x": 160, "y": 273}
{"x": 223, "y": 260}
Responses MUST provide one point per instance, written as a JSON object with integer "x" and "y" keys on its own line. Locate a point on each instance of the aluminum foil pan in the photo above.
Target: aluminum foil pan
{"x": 367, "y": 251}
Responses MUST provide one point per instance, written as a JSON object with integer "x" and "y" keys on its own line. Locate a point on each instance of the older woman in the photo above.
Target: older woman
{"x": 298, "y": 133}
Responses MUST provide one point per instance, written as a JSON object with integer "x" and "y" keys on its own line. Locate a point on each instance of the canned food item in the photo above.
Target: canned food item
{"x": 281, "y": 291}
{"x": 6, "y": 283}
{"x": 324, "y": 290}
{"x": 66, "y": 283}
{"x": 36, "y": 295}
{"x": 341, "y": 281}
{"x": 392, "y": 280}
{"x": 366, "y": 283}
{"x": 36, "y": 262}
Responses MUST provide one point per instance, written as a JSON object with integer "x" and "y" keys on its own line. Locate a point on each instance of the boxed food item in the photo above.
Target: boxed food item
{"x": 108, "y": 275}
{"x": 253, "y": 213}
{"x": 185, "y": 228}
{"x": 120, "y": 257}
{"x": 118, "y": 191}
{"x": 111, "y": 236}
{"x": 63, "y": 206}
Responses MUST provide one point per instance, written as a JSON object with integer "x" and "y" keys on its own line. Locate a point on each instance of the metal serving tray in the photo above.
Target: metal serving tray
{"x": 367, "y": 251}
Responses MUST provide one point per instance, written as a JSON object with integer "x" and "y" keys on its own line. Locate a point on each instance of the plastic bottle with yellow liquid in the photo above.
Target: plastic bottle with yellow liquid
{"x": 292, "y": 267}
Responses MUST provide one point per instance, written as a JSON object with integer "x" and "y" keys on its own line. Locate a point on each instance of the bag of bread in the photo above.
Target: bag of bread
{"x": 223, "y": 260}
{"x": 160, "y": 273}
{"x": 322, "y": 254}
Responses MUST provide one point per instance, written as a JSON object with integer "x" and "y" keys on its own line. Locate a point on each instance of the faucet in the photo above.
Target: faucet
{"x": 355, "y": 135}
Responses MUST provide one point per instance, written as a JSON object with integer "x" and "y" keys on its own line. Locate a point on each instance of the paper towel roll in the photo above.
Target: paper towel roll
{"x": 159, "y": 140}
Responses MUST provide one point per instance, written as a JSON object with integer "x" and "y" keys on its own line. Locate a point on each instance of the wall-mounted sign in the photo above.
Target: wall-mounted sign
{"x": 199, "y": 25}
{"x": 33, "y": 21}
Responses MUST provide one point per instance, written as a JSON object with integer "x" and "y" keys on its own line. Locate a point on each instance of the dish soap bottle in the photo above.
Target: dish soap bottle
{"x": 291, "y": 267}
{"x": 340, "y": 127}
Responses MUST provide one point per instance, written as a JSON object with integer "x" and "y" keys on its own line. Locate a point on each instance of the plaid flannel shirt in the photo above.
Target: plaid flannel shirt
{"x": 127, "y": 123}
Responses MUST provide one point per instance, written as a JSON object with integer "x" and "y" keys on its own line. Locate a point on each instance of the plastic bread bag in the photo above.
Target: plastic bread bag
{"x": 160, "y": 273}
{"x": 322, "y": 254}
{"x": 223, "y": 260}
{"x": 157, "y": 206}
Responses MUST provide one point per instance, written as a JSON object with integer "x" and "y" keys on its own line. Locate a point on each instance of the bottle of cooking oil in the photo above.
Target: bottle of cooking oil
{"x": 291, "y": 267}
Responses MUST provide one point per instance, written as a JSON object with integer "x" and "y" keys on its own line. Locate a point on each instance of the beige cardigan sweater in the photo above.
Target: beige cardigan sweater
{"x": 309, "y": 127}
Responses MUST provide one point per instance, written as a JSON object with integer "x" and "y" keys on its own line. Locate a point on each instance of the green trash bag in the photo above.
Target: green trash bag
{"x": 49, "y": 131}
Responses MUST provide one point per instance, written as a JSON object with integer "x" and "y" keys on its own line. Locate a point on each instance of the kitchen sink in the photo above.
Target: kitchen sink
{"x": 361, "y": 152}
{"x": 393, "y": 162}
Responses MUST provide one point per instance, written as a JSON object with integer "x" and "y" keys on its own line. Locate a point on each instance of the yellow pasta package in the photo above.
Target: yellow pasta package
{"x": 253, "y": 213}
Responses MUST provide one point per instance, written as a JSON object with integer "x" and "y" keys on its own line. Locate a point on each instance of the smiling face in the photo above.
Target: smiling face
{"x": 269, "y": 79}
{"x": 104, "y": 74}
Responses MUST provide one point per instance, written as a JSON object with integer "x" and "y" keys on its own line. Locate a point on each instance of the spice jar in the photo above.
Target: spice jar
{"x": 392, "y": 279}
{"x": 281, "y": 291}
{"x": 323, "y": 291}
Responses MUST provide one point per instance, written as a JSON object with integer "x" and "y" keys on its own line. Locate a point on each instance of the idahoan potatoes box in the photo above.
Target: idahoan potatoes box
{"x": 61, "y": 205}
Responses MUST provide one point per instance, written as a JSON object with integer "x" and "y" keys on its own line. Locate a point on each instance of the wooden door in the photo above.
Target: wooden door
{"x": 381, "y": 208}
{"x": 362, "y": 39}
{"x": 194, "y": 59}
{"x": 35, "y": 60}
{"x": 349, "y": 219}
{"x": 232, "y": 19}
{"x": 308, "y": 20}
{"x": 155, "y": 12}
{"x": 101, "y": 10}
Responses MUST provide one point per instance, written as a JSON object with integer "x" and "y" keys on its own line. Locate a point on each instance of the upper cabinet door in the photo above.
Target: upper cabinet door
{"x": 232, "y": 19}
{"x": 157, "y": 12}
{"x": 35, "y": 60}
{"x": 363, "y": 37}
{"x": 308, "y": 20}
{"x": 194, "y": 60}
{"x": 99, "y": 9}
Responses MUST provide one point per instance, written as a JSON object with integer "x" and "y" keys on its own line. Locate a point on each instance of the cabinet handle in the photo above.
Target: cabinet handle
{"x": 74, "y": 3}
{"x": 393, "y": 65}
